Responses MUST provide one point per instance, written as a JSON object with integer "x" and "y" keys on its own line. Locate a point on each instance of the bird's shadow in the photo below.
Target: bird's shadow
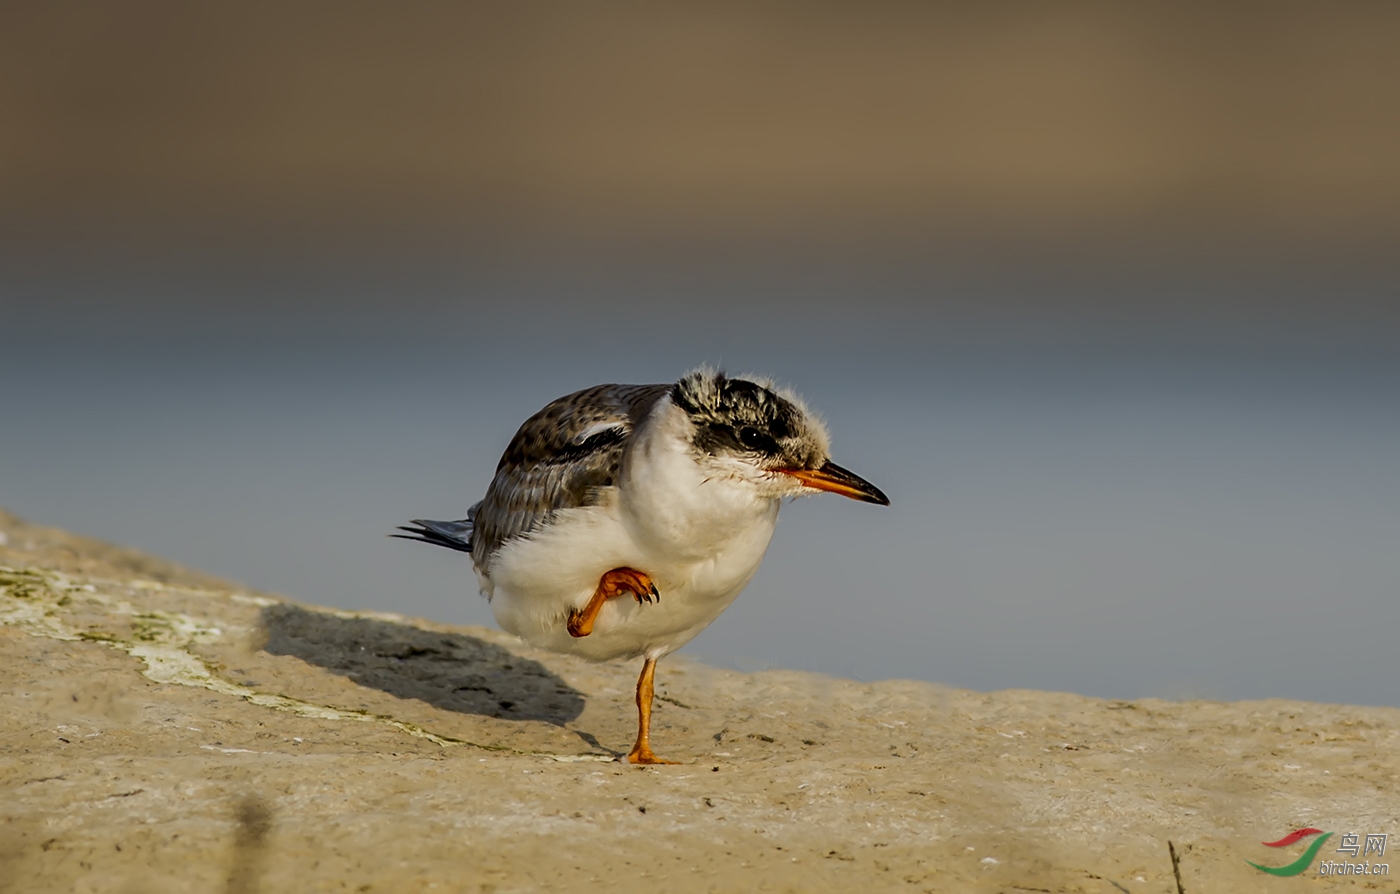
{"x": 451, "y": 671}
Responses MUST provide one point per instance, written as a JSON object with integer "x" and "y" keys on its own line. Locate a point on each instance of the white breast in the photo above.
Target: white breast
{"x": 699, "y": 535}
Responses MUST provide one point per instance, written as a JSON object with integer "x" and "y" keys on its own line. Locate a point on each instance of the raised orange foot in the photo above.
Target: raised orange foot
{"x": 611, "y": 585}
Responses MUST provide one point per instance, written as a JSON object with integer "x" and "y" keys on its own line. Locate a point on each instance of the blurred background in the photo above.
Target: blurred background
{"x": 1104, "y": 296}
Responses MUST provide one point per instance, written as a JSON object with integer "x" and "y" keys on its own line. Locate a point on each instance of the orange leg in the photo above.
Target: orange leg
{"x": 611, "y": 585}
{"x": 641, "y": 752}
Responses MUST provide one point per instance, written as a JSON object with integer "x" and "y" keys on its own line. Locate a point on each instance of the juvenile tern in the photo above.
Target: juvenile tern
{"x": 667, "y": 494}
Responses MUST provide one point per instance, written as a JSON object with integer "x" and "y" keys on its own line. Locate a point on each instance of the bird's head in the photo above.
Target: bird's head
{"x": 749, "y": 428}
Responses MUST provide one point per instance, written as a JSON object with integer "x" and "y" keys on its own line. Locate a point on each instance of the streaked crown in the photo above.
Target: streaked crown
{"x": 751, "y": 417}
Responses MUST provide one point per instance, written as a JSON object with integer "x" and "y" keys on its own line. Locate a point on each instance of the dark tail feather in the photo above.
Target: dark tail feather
{"x": 451, "y": 534}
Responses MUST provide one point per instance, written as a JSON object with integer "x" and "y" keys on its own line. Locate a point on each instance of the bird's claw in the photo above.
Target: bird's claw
{"x": 647, "y": 757}
{"x": 630, "y": 580}
{"x": 612, "y": 584}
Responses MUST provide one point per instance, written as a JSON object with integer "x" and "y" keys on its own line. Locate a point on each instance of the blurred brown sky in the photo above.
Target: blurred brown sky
{"x": 1217, "y": 129}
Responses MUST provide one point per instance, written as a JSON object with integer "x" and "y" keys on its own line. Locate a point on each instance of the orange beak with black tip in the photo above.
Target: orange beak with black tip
{"x": 831, "y": 477}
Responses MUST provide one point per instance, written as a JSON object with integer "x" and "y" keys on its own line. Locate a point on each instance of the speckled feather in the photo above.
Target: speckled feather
{"x": 565, "y": 456}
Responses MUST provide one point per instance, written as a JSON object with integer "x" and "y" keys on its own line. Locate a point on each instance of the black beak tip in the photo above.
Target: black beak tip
{"x": 859, "y": 488}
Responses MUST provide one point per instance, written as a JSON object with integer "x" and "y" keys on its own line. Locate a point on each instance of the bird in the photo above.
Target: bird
{"x": 623, "y": 519}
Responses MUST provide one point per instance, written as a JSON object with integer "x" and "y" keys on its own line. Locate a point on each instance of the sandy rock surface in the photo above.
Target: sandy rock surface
{"x": 164, "y": 731}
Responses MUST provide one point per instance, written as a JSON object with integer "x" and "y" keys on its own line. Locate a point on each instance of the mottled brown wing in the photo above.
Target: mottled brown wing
{"x": 564, "y": 456}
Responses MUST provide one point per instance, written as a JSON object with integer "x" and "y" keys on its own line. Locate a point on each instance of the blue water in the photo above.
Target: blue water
{"x": 1105, "y": 515}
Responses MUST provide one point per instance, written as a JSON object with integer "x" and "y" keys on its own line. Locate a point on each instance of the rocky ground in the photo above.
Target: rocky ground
{"x": 164, "y": 731}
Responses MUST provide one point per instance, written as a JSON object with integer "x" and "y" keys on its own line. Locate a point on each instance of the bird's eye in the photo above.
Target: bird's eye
{"x": 754, "y": 439}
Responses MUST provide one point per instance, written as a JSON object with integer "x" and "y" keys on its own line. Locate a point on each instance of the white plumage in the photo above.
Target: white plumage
{"x": 699, "y": 537}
